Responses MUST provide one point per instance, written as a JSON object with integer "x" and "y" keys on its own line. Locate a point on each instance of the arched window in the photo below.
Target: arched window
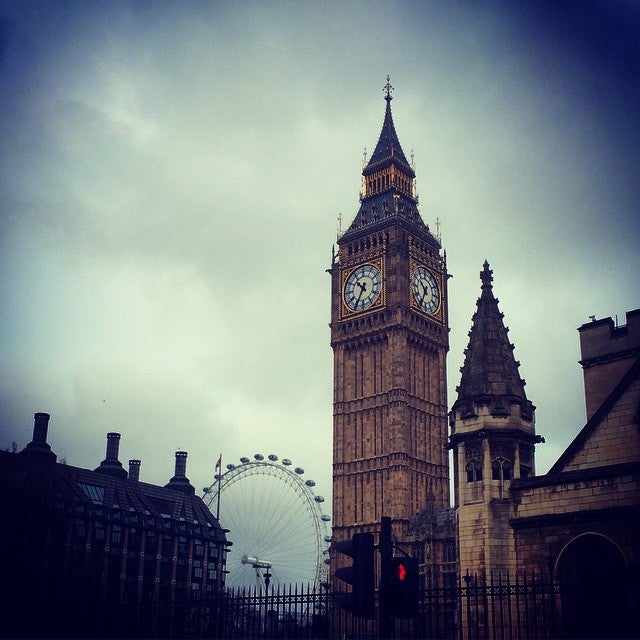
{"x": 501, "y": 469}
{"x": 473, "y": 467}
{"x": 474, "y": 471}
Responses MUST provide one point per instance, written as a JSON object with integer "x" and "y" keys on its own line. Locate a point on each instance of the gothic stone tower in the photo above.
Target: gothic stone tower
{"x": 390, "y": 338}
{"x": 492, "y": 437}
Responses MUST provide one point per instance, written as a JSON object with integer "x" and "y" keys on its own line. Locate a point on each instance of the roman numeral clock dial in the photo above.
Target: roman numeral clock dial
{"x": 362, "y": 287}
{"x": 425, "y": 290}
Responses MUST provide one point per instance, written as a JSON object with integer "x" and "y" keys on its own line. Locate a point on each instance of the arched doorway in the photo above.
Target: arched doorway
{"x": 594, "y": 586}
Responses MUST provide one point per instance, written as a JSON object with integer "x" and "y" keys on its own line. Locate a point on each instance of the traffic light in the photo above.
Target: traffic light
{"x": 360, "y": 575}
{"x": 402, "y": 587}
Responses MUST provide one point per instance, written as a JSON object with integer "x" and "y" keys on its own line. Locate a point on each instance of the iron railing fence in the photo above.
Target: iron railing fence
{"x": 496, "y": 607}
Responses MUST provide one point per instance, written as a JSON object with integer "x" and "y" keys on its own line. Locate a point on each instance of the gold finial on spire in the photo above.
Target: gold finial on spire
{"x": 388, "y": 89}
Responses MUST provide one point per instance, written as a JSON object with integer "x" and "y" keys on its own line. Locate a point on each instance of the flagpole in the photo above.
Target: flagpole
{"x": 219, "y": 474}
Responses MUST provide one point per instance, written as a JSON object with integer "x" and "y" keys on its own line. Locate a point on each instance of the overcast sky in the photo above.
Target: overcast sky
{"x": 172, "y": 174}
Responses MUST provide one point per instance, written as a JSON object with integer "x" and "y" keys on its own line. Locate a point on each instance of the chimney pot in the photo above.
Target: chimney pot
{"x": 180, "y": 482}
{"x": 111, "y": 464}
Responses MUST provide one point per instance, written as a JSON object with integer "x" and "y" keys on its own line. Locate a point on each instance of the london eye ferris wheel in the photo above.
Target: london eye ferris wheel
{"x": 279, "y": 532}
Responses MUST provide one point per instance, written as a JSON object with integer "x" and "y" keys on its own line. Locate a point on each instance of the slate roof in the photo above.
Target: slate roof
{"x": 379, "y": 209}
{"x": 388, "y": 149}
{"x": 440, "y": 518}
{"x": 61, "y": 486}
{"x": 490, "y": 371}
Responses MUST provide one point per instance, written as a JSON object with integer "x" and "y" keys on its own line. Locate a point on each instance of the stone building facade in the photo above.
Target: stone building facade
{"x": 492, "y": 437}
{"x": 582, "y": 518}
{"x": 389, "y": 326}
{"x": 580, "y": 522}
{"x": 389, "y": 335}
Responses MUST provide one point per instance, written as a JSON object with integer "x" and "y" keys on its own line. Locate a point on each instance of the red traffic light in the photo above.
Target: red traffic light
{"x": 402, "y": 587}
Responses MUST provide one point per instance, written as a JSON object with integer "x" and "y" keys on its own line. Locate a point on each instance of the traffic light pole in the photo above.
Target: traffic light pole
{"x": 385, "y": 622}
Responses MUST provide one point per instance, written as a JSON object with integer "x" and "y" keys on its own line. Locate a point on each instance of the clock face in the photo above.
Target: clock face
{"x": 425, "y": 290}
{"x": 362, "y": 287}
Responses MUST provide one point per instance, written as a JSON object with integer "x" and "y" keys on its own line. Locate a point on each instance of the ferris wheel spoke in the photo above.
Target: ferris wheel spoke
{"x": 274, "y": 518}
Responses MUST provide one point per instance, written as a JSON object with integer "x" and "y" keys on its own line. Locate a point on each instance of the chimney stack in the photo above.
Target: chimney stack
{"x": 180, "y": 482}
{"x": 134, "y": 470}
{"x": 181, "y": 464}
{"x": 111, "y": 464}
{"x": 40, "y": 427}
{"x": 113, "y": 446}
{"x": 38, "y": 445}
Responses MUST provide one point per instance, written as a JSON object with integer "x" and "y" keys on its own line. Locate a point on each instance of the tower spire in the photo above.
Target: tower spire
{"x": 388, "y": 182}
{"x": 493, "y": 438}
{"x": 388, "y": 148}
{"x": 490, "y": 371}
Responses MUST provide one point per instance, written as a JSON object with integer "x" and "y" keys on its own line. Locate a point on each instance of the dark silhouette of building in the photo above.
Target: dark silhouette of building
{"x": 98, "y": 553}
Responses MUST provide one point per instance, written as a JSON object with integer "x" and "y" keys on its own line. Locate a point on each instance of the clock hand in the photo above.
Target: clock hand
{"x": 363, "y": 288}
{"x": 424, "y": 294}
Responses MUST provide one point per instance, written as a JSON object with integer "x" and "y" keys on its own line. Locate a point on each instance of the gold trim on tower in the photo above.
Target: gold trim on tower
{"x": 423, "y": 297}
{"x": 363, "y": 288}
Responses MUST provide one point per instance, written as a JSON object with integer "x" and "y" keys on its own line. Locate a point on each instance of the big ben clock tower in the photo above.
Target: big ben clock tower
{"x": 389, "y": 336}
